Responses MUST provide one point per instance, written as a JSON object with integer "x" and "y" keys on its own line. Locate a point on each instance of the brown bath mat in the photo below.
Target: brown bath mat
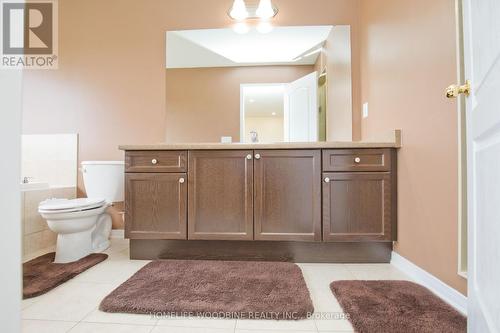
{"x": 209, "y": 288}
{"x": 396, "y": 306}
{"x": 41, "y": 275}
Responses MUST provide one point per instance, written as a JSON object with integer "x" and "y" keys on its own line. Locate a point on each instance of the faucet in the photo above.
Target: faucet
{"x": 254, "y": 136}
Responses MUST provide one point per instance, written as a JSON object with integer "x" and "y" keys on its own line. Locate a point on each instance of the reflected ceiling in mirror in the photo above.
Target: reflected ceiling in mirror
{"x": 297, "y": 45}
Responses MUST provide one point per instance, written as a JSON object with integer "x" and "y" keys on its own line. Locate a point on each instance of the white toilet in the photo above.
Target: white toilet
{"x": 82, "y": 225}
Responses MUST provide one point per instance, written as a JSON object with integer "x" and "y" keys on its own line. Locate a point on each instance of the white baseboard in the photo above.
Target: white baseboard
{"x": 117, "y": 233}
{"x": 441, "y": 289}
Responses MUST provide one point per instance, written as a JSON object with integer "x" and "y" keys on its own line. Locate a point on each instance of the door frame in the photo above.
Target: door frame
{"x": 462, "y": 148}
{"x": 242, "y": 103}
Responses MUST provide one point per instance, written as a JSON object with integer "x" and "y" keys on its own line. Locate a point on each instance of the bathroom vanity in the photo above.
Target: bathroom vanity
{"x": 303, "y": 202}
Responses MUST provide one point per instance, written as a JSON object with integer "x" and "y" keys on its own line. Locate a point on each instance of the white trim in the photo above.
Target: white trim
{"x": 462, "y": 148}
{"x": 10, "y": 204}
{"x": 242, "y": 113}
{"x": 117, "y": 233}
{"x": 441, "y": 289}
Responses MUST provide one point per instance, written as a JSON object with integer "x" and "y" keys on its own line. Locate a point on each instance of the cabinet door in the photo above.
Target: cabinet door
{"x": 288, "y": 195}
{"x": 220, "y": 195}
{"x": 357, "y": 206}
{"x": 155, "y": 205}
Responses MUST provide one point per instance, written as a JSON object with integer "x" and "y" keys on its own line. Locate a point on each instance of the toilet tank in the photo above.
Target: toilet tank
{"x": 104, "y": 179}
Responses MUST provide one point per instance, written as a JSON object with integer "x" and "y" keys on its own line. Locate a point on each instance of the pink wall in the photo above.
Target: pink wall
{"x": 111, "y": 85}
{"x": 408, "y": 59}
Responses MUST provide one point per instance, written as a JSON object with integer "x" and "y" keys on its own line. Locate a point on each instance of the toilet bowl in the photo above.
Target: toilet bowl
{"x": 82, "y": 225}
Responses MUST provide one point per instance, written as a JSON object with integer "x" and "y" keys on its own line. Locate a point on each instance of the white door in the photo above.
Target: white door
{"x": 482, "y": 67}
{"x": 301, "y": 109}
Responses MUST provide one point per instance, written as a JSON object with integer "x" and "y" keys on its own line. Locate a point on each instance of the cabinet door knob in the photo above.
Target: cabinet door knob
{"x": 257, "y": 156}
{"x": 154, "y": 161}
{"x": 357, "y": 160}
{"x": 249, "y": 156}
{"x": 327, "y": 180}
{"x": 181, "y": 180}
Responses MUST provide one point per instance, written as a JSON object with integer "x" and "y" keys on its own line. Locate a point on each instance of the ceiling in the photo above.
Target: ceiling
{"x": 226, "y": 48}
{"x": 263, "y": 100}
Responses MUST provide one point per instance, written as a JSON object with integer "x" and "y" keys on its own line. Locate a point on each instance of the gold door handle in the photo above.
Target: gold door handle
{"x": 454, "y": 90}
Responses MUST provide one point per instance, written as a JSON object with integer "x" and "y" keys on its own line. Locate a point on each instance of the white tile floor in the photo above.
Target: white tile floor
{"x": 73, "y": 306}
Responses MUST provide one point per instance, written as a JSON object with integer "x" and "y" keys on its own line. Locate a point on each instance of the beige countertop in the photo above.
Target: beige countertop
{"x": 394, "y": 141}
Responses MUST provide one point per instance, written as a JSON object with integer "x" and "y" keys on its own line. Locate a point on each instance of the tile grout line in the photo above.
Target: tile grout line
{"x": 72, "y": 327}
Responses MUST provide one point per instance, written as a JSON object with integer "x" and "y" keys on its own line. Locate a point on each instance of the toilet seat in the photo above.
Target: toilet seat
{"x": 69, "y": 206}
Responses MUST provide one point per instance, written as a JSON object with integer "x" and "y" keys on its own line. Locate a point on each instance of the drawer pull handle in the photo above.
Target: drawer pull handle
{"x": 181, "y": 180}
{"x": 154, "y": 161}
{"x": 249, "y": 156}
{"x": 357, "y": 160}
{"x": 327, "y": 180}
{"x": 257, "y": 156}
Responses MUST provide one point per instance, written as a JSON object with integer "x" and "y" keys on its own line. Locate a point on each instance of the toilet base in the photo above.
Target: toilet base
{"x": 79, "y": 233}
{"x": 102, "y": 247}
{"x": 74, "y": 246}
{"x": 100, "y": 235}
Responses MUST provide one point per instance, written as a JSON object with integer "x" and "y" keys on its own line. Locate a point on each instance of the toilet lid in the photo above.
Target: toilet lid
{"x": 66, "y": 205}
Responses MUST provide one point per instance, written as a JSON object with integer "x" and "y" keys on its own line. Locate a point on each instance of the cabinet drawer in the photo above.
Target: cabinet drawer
{"x": 156, "y": 161}
{"x": 357, "y": 160}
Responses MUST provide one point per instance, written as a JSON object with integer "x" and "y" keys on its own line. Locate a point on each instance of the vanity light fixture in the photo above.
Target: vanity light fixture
{"x": 265, "y": 10}
{"x": 239, "y": 10}
{"x": 242, "y": 13}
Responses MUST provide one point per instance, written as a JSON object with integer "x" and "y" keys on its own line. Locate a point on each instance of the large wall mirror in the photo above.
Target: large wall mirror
{"x": 290, "y": 84}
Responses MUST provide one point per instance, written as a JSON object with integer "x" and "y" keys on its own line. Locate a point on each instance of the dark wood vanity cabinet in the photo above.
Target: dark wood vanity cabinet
{"x": 287, "y": 200}
{"x": 288, "y": 196}
{"x": 359, "y": 195}
{"x": 156, "y": 205}
{"x": 220, "y": 195}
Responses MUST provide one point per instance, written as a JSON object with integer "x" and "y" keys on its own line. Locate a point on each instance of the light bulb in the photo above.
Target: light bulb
{"x": 239, "y": 10}
{"x": 241, "y": 28}
{"x": 265, "y": 9}
{"x": 264, "y": 27}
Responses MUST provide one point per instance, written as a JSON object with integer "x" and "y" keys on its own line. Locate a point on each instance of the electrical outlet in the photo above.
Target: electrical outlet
{"x": 365, "y": 110}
